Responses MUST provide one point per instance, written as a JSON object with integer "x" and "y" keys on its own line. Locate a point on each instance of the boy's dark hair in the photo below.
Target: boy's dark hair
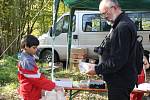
{"x": 29, "y": 41}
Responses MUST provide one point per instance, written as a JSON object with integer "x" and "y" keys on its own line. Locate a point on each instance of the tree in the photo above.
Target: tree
{"x": 20, "y": 17}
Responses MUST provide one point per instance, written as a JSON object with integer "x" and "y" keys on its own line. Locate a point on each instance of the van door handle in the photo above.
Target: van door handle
{"x": 75, "y": 36}
{"x": 149, "y": 37}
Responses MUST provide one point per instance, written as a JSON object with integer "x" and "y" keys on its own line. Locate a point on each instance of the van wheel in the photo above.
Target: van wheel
{"x": 46, "y": 56}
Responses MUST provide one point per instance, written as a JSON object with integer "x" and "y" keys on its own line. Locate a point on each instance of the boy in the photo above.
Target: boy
{"x": 31, "y": 80}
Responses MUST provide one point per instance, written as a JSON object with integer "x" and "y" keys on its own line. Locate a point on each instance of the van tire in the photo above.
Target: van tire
{"x": 46, "y": 56}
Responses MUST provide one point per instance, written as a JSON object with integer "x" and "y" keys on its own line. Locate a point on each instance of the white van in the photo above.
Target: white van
{"x": 89, "y": 29}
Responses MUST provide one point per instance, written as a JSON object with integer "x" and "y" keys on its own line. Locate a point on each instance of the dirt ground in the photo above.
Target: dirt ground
{"x": 2, "y": 97}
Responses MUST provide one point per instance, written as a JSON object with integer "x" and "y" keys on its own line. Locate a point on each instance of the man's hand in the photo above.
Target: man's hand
{"x": 91, "y": 69}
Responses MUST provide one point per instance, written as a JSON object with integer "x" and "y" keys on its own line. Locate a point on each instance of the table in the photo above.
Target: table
{"x": 77, "y": 90}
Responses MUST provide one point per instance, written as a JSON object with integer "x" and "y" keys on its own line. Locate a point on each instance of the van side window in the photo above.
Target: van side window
{"x": 93, "y": 23}
{"x": 63, "y": 24}
{"x": 141, "y": 20}
{"x": 66, "y": 21}
{"x": 146, "y": 21}
{"x": 59, "y": 25}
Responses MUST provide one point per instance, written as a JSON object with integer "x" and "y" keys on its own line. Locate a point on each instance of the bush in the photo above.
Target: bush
{"x": 8, "y": 70}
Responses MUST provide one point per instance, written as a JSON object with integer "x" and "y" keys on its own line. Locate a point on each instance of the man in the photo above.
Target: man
{"x": 118, "y": 68}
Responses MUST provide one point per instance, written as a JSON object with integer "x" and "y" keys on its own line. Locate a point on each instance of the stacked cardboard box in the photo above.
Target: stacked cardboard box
{"x": 77, "y": 54}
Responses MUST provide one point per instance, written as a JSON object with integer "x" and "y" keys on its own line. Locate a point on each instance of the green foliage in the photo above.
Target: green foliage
{"x": 8, "y": 78}
{"x": 74, "y": 75}
{"x": 9, "y": 83}
{"x": 8, "y": 71}
{"x": 20, "y": 17}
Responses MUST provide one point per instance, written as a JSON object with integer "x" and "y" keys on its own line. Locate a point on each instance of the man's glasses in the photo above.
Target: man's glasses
{"x": 105, "y": 14}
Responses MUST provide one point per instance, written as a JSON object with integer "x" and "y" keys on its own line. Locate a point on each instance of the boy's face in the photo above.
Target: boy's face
{"x": 32, "y": 50}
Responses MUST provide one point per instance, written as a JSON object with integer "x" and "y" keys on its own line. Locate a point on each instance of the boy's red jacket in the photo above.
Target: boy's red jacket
{"x": 31, "y": 80}
{"x": 35, "y": 78}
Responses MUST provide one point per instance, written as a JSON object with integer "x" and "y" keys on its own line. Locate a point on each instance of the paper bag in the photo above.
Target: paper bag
{"x": 53, "y": 95}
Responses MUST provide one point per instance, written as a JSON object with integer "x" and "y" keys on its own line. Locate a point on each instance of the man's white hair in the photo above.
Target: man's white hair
{"x": 108, "y": 3}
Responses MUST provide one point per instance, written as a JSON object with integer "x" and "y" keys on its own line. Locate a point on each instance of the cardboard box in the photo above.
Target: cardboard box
{"x": 80, "y": 56}
{"x": 75, "y": 60}
{"x": 74, "y": 56}
{"x": 79, "y": 51}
